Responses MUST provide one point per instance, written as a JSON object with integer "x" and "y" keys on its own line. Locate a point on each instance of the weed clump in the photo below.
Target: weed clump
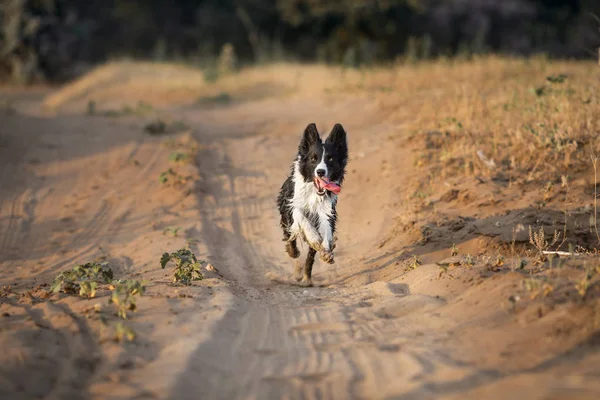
{"x": 172, "y": 230}
{"x": 123, "y": 296}
{"x": 160, "y": 127}
{"x": 179, "y": 157}
{"x": 414, "y": 263}
{"x": 469, "y": 260}
{"x": 187, "y": 266}
{"x": 83, "y": 279}
{"x": 124, "y": 332}
{"x": 538, "y": 240}
{"x": 164, "y": 176}
{"x": 454, "y": 250}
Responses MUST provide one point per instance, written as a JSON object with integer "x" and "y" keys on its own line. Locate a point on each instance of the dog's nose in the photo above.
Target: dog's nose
{"x": 321, "y": 172}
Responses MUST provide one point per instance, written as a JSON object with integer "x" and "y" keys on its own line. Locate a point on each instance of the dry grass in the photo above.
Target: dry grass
{"x": 524, "y": 127}
{"x": 528, "y": 119}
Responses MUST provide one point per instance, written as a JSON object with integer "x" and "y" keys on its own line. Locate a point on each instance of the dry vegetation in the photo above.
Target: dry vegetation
{"x": 496, "y": 133}
{"x": 529, "y": 120}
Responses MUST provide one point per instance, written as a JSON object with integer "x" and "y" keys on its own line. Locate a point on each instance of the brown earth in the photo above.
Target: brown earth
{"x": 76, "y": 188}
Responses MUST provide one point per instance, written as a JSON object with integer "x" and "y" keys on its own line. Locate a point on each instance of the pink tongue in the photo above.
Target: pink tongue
{"x": 328, "y": 185}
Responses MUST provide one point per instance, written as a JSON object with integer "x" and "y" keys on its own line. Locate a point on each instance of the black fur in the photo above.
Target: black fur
{"x": 286, "y": 193}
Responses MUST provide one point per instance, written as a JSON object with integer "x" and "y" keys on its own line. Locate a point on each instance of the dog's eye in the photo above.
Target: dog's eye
{"x": 313, "y": 158}
{"x": 330, "y": 159}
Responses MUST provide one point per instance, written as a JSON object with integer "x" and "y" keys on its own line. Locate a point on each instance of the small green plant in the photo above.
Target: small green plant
{"x": 453, "y": 122}
{"x": 123, "y": 332}
{"x": 88, "y": 289}
{"x": 499, "y": 261}
{"x": 591, "y": 271}
{"x": 582, "y": 286}
{"x": 165, "y": 175}
{"x": 82, "y": 279}
{"x": 556, "y": 78}
{"x": 497, "y": 265}
{"x": 454, "y": 250}
{"x": 443, "y": 269}
{"x": 537, "y": 287}
{"x": 469, "y": 261}
{"x": 415, "y": 263}
{"x": 123, "y": 296}
{"x": 158, "y": 127}
{"x": 171, "y": 175}
{"x": 179, "y": 157}
{"x": 221, "y": 98}
{"x": 173, "y": 230}
{"x": 187, "y": 266}
{"x": 540, "y": 91}
{"x": 531, "y": 284}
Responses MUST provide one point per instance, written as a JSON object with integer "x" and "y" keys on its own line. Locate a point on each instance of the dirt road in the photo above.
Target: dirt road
{"x": 77, "y": 188}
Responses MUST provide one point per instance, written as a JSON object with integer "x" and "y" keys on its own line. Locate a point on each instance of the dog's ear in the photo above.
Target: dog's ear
{"x": 337, "y": 138}
{"x": 311, "y": 136}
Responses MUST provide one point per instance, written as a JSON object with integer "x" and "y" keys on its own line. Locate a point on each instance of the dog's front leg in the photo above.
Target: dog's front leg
{"x": 328, "y": 240}
{"x": 302, "y": 225}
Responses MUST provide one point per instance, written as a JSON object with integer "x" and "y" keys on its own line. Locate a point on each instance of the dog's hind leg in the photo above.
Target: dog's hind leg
{"x": 308, "y": 266}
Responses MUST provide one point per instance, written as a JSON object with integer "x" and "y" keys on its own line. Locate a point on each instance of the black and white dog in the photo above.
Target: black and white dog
{"x": 308, "y": 197}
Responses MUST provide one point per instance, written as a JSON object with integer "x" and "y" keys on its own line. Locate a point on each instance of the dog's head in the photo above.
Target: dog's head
{"x": 323, "y": 163}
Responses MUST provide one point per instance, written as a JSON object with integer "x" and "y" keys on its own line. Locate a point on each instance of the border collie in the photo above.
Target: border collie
{"x": 309, "y": 195}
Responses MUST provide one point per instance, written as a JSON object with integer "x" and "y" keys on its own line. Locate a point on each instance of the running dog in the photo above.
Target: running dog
{"x": 309, "y": 195}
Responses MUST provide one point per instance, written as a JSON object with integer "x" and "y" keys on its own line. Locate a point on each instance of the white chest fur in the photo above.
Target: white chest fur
{"x": 305, "y": 202}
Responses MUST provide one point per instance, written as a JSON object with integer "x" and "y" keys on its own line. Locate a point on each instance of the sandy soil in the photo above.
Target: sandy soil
{"x": 76, "y": 188}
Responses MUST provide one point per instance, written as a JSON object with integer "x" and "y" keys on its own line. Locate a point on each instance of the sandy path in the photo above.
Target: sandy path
{"x": 71, "y": 194}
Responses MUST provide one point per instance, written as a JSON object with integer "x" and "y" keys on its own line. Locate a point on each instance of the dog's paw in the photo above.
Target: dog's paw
{"x": 292, "y": 249}
{"x": 316, "y": 246}
{"x": 306, "y": 281}
{"x": 298, "y": 271}
{"x": 327, "y": 256}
